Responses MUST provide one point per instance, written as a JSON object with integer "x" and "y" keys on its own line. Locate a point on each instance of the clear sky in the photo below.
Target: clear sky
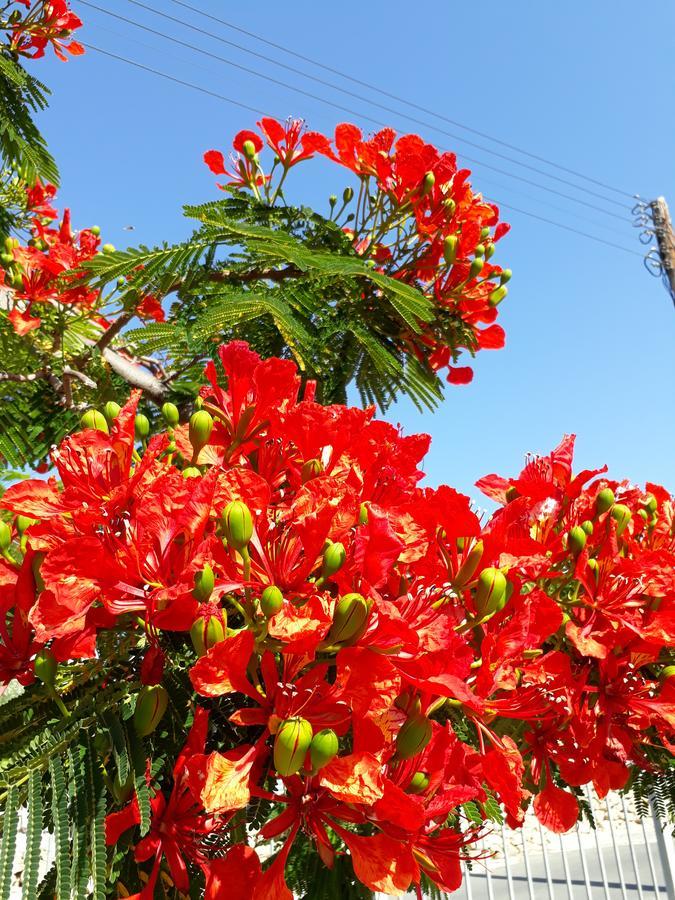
{"x": 590, "y": 334}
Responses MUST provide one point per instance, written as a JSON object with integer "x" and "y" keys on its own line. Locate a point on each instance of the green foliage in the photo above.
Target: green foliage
{"x": 22, "y": 147}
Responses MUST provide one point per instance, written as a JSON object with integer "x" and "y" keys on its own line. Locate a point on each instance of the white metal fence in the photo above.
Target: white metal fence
{"x": 625, "y": 858}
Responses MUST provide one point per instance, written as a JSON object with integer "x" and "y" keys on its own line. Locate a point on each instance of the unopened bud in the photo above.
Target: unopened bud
{"x": 350, "y": 619}
{"x": 484, "y": 232}
{"x": 141, "y": 426}
{"x": 666, "y": 673}
{"x": 324, "y": 748}
{"x": 271, "y": 601}
{"x": 310, "y": 469}
{"x": 450, "y": 245}
{"x": 291, "y": 744}
{"x": 248, "y": 149}
{"x": 94, "y": 419}
{"x": 418, "y": 783}
{"x": 428, "y": 182}
{"x": 332, "y": 200}
{"x": 490, "y": 596}
{"x": 347, "y": 194}
{"x": 587, "y": 525}
{"x": 95, "y": 230}
{"x": 23, "y": 523}
{"x": 594, "y": 566}
{"x": 151, "y": 705}
{"x": 237, "y": 524}
{"x": 469, "y": 566}
{"x": 201, "y": 426}
{"x": 171, "y": 414}
{"x": 108, "y": 248}
{"x": 111, "y": 411}
{"x": 333, "y": 559}
{"x": 495, "y": 297}
{"x": 45, "y": 667}
{"x": 622, "y": 516}
{"x": 191, "y": 472}
{"x": 413, "y": 736}
{"x": 5, "y": 536}
{"x": 204, "y": 582}
{"x": 205, "y": 632}
{"x": 576, "y": 539}
{"x": 450, "y": 206}
{"x": 650, "y": 503}
{"x": 489, "y": 251}
{"x": 480, "y": 250}
{"x": 363, "y": 514}
{"x": 505, "y": 276}
{"x": 604, "y": 501}
{"x": 476, "y": 267}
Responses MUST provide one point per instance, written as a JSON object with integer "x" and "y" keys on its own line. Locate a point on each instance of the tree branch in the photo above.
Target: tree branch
{"x": 136, "y": 376}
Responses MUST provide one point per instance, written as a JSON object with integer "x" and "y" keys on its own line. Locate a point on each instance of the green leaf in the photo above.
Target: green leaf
{"x": 61, "y": 827}
{"x": 97, "y": 827}
{"x": 80, "y": 817}
{"x": 31, "y": 861}
{"x": 139, "y": 758}
{"x": 10, "y": 821}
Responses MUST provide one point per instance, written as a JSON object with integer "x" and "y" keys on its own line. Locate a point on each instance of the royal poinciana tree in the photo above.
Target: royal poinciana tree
{"x": 246, "y": 650}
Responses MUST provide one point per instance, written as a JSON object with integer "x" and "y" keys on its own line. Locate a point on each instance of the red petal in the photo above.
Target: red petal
{"x": 556, "y": 809}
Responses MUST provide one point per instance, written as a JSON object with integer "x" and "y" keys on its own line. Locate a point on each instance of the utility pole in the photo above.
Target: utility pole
{"x": 653, "y": 219}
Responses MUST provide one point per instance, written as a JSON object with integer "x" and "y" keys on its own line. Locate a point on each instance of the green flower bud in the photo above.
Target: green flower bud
{"x": 23, "y": 523}
{"x": 450, "y": 245}
{"x": 310, "y": 469}
{"x": 191, "y": 472}
{"x": 489, "y": 251}
{"x": 347, "y": 194}
{"x": 469, "y": 566}
{"x": 6, "y": 258}
{"x": 363, "y": 514}
{"x": 644, "y": 515}
{"x": 650, "y": 503}
{"x": 95, "y": 230}
{"x": 587, "y": 525}
{"x": 248, "y": 149}
{"x": 418, "y": 783}
{"x": 505, "y": 276}
{"x": 604, "y": 501}
{"x": 204, "y": 582}
{"x": 350, "y": 619}
{"x": 490, "y": 594}
{"x": 237, "y": 524}
{"x": 413, "y": 736}
{"x": 428, "y": 182}
{"x": 495, "y": 297}
{"x": 324, "y": 748}
{"x": 94, "y": 419}
{"x": 108, "y": 248}
{"x": 171, "y": 414}
{"x": 511, "y": 493}
{"x": 332, "y": 200}
{"x": 450, "y": 206}
{"x": 291, "y": 744}
{"x": 111, "y": 411}
{"x": 622, "y": 516}
{"x": 666, "y": 673}
{"x": 576, "y": 539}
{"x": 484, "y": 232}
{"x": 121, "y": 281}
{"x": 45, "y": 667}
{"x": 5, "y": 536}
{"x": 271, "y": 601}
{"x": 594, "y": 566}
{"x": 476, "y": 267}
{"x": 333, "y": 559}
{"x": 205, "y": 632}
{"x": 141, "y": 426}
{"x": 201, "y": 426}
{"x": 479, "y": 250}
{"x": 151, "y": 705}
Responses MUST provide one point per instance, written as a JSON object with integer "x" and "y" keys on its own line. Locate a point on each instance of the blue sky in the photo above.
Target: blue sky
{"x": 590, "y": 334}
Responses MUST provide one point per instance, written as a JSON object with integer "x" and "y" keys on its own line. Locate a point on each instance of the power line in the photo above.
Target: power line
{"x": 210, "y": 93}
{"x": 371, "y": 102}
{"x": 332, "y": 104}
{"x": 399, "y": 99}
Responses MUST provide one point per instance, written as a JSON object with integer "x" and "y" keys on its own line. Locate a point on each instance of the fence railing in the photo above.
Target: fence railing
{"x": 624, "y": 858}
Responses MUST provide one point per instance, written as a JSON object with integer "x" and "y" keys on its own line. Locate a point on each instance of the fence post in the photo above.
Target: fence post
{"x": 666, "y": 848}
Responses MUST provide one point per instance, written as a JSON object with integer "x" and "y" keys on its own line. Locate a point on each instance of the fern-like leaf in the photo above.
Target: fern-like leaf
{"x": 10, "y": 822}
{"x": 61, "y": 827}
{"x": 31, "y": 861}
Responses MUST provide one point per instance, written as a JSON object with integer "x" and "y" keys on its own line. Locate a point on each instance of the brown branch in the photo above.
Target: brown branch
{"x": 115, "y": 329}
{"x": 134, "y": 375}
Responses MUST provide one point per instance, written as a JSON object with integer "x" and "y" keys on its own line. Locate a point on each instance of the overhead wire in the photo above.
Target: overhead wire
{"x": 369, "y": 100}
{"x": 258, "y": 111}
{"x": 398, "y": 99}
{"x": 331, "y": 103}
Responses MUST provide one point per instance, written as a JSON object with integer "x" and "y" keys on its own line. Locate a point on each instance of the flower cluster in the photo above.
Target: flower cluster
{"x": 45, "y": 272}
{"x": 414, "y": 216}
{"x": 382, "y": 656}
{"x": 41, "y": 23}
